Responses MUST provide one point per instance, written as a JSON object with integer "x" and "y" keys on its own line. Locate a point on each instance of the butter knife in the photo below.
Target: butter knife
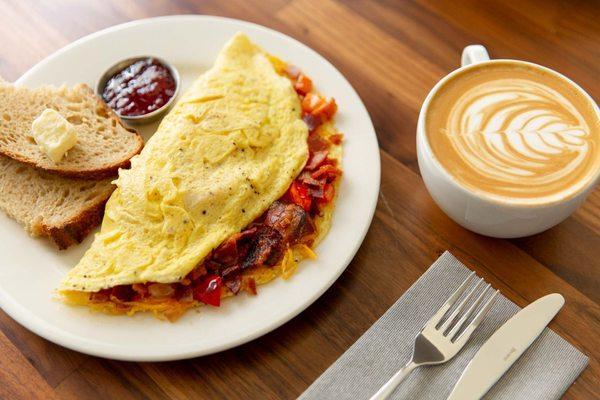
{"x": 504, "y": 347}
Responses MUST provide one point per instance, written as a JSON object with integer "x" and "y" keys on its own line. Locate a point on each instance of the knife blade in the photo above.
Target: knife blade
{"x": 504, "y": 347}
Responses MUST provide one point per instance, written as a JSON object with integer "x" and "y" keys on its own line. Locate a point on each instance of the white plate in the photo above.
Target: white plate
{"x": 30, "y": 269}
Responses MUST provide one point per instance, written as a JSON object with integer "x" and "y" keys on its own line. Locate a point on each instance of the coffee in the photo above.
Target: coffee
{"x": 514, "y": 132}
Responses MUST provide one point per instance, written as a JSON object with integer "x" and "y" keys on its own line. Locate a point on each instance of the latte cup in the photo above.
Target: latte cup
{"x": 474, "y": 210}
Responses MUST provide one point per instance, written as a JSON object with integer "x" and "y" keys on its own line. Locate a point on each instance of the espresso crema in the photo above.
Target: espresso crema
{"x": 515, "y": 132}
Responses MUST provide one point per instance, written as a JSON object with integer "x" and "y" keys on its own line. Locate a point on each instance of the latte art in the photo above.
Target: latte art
{"x": 514, "y": 133}
{"x": 508, "y": 130}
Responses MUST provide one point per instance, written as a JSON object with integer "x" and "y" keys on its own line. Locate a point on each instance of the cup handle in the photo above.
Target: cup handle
{"x": 473, "y": 54}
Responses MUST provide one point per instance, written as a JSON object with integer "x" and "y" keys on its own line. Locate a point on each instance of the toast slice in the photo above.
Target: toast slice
{"x": 103, "y": 146}
{"x": 64, "y": 209}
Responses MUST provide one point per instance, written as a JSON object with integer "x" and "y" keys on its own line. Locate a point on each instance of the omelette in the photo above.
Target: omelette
{"x": 236, "y": 186}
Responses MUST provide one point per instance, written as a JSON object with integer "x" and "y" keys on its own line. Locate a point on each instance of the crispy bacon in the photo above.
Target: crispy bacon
{"x": 317, "y": 143}
{"x": 290, "y": 220}
{"x": 229, "y": 271}
{"x": 327, "y": 171}
{"x": 316, "y": 159}
{"x": 306, "y": 178}
{"x": 234, "y": 284}
{"x": 323, "y": 194}
{"x": 234, "y": 248}
{"x": 266, "y": 249}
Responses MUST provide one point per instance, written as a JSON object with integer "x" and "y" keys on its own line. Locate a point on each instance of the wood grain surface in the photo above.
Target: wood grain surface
{"x": 392, "y": 52}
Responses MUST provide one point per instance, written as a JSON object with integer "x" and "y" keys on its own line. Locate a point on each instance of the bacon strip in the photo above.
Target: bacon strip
{"x": 290, "y": 220}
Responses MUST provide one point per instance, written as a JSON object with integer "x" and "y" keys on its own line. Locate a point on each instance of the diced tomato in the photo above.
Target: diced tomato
{"x": 326, "y": 171}
{"x": 318, "y": 106}
{"x": 299, "y": 195}
{"x": 326, "y": 109}
{"x": 311, "y": 102}
{"x": 303, "y": 84}
{"x": 208, "y": 290}
{"x": 336, "y": 138}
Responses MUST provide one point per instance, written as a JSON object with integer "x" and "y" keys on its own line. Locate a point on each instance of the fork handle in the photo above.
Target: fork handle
{"x": 394, "y": 381}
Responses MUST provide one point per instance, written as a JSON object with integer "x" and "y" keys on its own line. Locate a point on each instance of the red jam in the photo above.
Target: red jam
{"x": 144, "y": 86}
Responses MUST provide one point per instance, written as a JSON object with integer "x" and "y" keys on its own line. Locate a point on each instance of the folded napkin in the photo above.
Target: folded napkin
{"x": 544, "y": 371}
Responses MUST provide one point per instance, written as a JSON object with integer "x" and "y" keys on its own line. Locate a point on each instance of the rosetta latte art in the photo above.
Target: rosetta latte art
{"x": 518, "y": 135}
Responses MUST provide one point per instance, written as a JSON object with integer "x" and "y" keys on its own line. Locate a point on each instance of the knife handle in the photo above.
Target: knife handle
{"x": 394, "y": 381}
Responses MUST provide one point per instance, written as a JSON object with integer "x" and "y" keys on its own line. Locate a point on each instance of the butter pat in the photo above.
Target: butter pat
{"x": 53, "y": 134}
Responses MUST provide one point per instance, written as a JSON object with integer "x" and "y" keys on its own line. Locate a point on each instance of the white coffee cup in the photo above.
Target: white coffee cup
{"x": 477, "y": 212}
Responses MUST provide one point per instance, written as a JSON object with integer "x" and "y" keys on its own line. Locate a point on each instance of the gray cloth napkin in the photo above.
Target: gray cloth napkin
{"x": 544, "y": 371}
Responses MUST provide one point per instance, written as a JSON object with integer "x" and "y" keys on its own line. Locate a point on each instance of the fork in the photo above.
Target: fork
{"x": 441, "y": 338}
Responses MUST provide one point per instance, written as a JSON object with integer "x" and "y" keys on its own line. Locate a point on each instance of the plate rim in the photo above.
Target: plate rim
{"x": 28, "y": 319}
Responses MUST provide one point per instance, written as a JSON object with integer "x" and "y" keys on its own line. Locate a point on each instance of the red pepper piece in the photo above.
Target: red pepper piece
{"x": 303, "y": 84}
{"x": 299, "y": 195}
{"x": 208, "y": 290}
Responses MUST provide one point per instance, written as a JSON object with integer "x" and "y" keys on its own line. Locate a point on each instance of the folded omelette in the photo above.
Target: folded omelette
{"x": 217, "y": 169}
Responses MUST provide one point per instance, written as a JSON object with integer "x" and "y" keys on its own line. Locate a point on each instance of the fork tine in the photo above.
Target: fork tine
{"x": 464, "y": 336}
{"x": 466, "y": 300}
{"x": 465, "y": 317}
{"x": 451, "y": 301}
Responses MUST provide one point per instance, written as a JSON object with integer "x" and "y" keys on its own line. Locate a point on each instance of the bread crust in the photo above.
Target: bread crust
{"x": 96, "y": 173}
{"x": 75, "y": 230}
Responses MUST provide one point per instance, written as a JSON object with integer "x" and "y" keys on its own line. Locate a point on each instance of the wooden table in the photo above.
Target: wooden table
{"x": 392, "y": 52}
